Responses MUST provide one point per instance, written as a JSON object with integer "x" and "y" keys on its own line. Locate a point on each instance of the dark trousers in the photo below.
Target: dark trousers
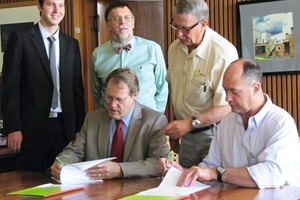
{"x": 51, "y": 140}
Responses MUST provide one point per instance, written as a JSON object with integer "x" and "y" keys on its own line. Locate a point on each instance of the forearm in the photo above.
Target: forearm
{"x": 161, "y": 98}
{"x": 75, "y": 151}
{"x": 238, "y": 176}
{"x": 213, "y": 115}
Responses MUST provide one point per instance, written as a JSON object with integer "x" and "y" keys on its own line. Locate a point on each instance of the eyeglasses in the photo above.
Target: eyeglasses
{"x": 116, "y": 100}
{"x": 118, "y": 18}
{"x": 183, "y": 28}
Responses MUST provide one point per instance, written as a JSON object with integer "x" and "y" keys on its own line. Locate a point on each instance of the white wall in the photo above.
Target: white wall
{"x": 17, "y": 15}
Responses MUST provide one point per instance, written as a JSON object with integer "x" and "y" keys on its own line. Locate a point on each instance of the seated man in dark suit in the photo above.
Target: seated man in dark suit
{"x": 143, "y": 145}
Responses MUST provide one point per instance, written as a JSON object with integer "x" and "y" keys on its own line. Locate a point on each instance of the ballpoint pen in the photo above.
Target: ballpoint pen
{"x": 59, "y": 161}
{"x": 167, "y": 162}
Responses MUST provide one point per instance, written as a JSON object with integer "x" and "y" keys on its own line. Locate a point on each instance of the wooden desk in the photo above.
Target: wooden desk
{"x": 118, "y": 188}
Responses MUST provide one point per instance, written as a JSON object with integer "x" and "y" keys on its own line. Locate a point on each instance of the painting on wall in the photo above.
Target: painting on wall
{"x": 268, "y": 34}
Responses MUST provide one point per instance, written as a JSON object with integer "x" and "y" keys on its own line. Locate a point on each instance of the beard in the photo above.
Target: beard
{"x": 125, "y": 37}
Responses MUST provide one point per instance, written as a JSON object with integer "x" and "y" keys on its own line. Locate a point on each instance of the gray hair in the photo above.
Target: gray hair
{"x": 252, "y": 72}
{"x": 127, "y": 76}
{"x": 197, "y": 8}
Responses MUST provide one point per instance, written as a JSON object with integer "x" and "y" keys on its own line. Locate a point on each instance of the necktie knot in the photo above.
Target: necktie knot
{"x": 119, "y": 123}
{"x": 126, "y": 47}
{"x": 51, "y": 39}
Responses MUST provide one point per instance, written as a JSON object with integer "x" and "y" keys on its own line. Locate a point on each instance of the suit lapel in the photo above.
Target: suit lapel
{"x": 134, "y": 127}
{"x": 103, "y": 137}
{"x": 38, "y": 43}
{"x": 63, "y": 56}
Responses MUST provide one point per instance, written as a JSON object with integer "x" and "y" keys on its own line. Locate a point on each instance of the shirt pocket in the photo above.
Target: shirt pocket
{"x": 144, "y": 73}
{"x": 200, "y": 94}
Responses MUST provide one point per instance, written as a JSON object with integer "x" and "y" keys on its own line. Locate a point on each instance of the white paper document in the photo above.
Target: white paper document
{"x": 74, "y": 174}
{"x": 168, "y": 186}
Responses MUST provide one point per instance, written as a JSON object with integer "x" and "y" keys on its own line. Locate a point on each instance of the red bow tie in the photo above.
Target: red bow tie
{"x": 119, "y": 49}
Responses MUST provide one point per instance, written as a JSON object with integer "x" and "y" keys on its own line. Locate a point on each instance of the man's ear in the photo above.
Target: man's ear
{"x": 134, "y": 96}
{"x": 256, "y": 87}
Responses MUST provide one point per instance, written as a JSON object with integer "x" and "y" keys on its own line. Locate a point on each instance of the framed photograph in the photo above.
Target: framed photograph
{"x": 269, "y": 33}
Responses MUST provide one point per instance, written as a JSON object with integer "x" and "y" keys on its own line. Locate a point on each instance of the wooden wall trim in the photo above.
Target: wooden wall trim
{"x": 282, "y": 88}
{"x": 10, "y": 4}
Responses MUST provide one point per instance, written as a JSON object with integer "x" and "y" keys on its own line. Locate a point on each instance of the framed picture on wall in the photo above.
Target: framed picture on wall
{"x": 269, "y": 33}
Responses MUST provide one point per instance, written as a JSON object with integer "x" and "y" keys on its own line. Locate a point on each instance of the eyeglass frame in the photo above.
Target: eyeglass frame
{"x": 116, "y": 100}
{"x": 186, "y": 29}
{"x": 118, "y": 18}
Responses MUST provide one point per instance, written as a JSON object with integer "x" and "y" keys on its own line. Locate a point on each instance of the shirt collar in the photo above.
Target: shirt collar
{"x": 45, "y": 34}
{"x": 127, "y": 118}
{"x": 202, "y": 49}
{"x": 132, "y": 41}
{"x": 257, "y": 119}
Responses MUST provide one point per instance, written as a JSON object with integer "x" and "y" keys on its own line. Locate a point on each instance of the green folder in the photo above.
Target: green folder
{"x": 46, "y": 190}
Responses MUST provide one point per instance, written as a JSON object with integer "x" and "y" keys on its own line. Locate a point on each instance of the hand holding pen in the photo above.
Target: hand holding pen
{"x": 164, "y": 164}
{"x": 56, "y": 168}
{"x": 167, "y": 163}
{"x": 57, "y": 159}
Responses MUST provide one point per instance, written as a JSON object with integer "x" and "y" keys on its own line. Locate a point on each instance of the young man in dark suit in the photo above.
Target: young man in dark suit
{"x": 37, "y": 128}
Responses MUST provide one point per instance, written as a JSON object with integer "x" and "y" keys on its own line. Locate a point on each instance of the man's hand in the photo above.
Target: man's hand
{"x": 14, "y": 141}
{"x": 189, "y": 176}
{"x": 164, "y": 166}
{"x": 55, "y": 170}
{"x": 177, "y": 128}
{"x": 106, "y": 170}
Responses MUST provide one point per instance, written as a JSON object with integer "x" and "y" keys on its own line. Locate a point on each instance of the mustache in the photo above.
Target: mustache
{"x": 123, "y": 27}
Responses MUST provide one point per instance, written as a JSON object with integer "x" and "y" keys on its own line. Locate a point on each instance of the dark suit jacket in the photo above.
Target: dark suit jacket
{"x": 27, "y": 84}
{"x": 143, "y": 148}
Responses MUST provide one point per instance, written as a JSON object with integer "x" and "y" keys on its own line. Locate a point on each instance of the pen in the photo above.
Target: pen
{"x": 59, "y": 161}
{"x": 204, "y": 87}
{"x": 167, "y": 161}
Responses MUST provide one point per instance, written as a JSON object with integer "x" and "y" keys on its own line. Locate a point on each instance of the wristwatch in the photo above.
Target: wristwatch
{"x": 220, "y": 172}
{"x": 195, "y": 122}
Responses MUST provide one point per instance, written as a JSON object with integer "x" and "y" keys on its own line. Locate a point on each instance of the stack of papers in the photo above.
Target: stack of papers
{"x": 74, "y": 174}
{"x": 168, "y": 190}
{"x": 168, "y": 186}
{"x": 73, "y": 177}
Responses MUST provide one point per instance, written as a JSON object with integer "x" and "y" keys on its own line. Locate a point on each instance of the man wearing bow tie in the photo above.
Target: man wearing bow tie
{"x": 142, "y": 56}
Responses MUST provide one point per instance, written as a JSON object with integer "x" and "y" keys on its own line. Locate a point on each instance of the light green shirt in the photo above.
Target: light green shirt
{"x": 145, "y": 58}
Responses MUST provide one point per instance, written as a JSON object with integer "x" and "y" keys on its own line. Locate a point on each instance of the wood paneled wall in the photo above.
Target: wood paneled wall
{"x": 283, "y": 89}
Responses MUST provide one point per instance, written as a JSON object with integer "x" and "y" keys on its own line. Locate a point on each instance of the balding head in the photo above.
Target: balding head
{"x": 244, "y": 69}
{"x": 242, "y": 83}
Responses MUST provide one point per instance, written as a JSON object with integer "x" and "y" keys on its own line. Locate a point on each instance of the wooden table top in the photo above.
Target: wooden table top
{"x": 118, "y": 188}
{"x": 6, "y": 151}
